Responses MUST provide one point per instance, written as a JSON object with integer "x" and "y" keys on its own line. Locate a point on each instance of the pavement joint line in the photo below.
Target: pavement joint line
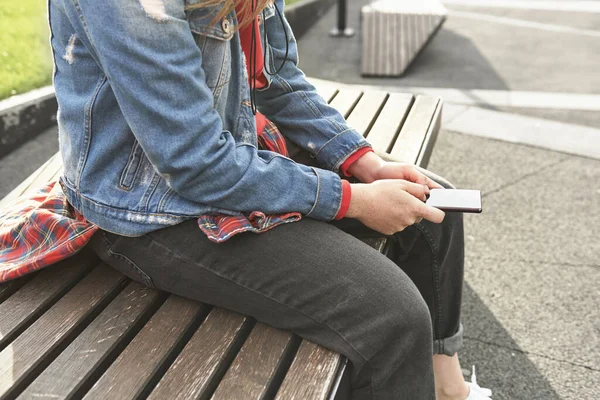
{"x": 524, "y": 23}
{"x": 458, "y": 114}
{"x": 524, "y": 177}
{"x": 565, "y": 6}
{"x": 555, "y": 263}
{"x": 532, "y": 353}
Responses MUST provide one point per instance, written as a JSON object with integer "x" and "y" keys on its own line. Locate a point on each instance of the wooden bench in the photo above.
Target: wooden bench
{"x": 79, "y": 329}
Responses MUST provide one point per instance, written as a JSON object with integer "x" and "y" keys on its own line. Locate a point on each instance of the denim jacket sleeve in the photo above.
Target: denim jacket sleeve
{"x": 294, "y": 105}
{"x": 148, "y": 54}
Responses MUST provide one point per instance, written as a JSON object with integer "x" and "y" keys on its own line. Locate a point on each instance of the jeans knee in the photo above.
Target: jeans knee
{"x": 420, "y": 331}
{"x": 407, "y": 321}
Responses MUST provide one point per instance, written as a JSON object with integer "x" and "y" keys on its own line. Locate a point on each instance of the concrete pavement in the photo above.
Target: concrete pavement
{"x": 530, "y": 307}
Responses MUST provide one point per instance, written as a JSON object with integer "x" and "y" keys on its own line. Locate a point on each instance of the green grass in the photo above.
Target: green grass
{"x": 25, "y": 58}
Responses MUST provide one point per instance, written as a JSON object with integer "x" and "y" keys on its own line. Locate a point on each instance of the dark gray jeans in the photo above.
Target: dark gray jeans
{"x": 386, "y": 314}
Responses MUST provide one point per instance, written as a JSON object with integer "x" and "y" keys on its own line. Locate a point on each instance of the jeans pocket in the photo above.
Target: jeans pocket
{"x": 116, "y": 255}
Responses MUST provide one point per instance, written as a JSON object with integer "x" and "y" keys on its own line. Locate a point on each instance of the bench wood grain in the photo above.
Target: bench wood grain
{"x": 80, "y": 329}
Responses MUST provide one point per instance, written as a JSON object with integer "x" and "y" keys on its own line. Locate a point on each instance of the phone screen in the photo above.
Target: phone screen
{"x": 462, "y": 200}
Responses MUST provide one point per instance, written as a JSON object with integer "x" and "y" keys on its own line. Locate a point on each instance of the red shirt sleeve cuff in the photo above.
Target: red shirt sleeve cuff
{"x": 352, "y": 159}
{"x": 346, "y": 195}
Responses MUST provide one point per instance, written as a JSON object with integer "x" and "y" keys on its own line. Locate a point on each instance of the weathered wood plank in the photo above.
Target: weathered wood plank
{"x": 10, "y": 287}
{"x": 390, "y": 120}
{"x": 345, "y": 100}
{"x": 31, "y": 300}
{"x": 42, "y": 175}
{"x": 304, "y": 379}
{"x": 202, "y": 362}
{"x": 412, "y": 135}
{"x": 430, "y": 137}
{"x": 68, "y": 374}
{"x": 365, "y": 112}
{"x": 34, "y": 348}
{"x": 131, "y": 373}
{"x": 253, "y": 369}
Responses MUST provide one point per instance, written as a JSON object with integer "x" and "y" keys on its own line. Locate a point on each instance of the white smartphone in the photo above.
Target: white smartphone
{"x": 460, "y": 200}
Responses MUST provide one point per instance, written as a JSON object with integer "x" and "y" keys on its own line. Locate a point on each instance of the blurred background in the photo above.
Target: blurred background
{"x": 520, "y": 81}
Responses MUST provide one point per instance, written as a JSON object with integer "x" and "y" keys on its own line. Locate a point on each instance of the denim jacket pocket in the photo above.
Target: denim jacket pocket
{"x": 213, "y": 38}
{"x": 132, "y": 168}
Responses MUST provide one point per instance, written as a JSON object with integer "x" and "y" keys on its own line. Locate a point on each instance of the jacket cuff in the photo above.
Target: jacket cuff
{"x": 328, "y": 200}
{"x": 335, "y": 152}
{"x": 346, "y": 196}
{"x": 352, "y": 159}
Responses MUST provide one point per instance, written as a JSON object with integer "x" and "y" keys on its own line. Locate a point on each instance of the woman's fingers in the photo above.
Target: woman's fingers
{"x": 420, "y": 191}
{"x": 414, "y": 175}
{"x": 433, "y": 184}
{"x": 431, "y": 213}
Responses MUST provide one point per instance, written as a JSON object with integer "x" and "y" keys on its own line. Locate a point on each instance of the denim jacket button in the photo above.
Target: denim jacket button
{"x": 226, "y": 25}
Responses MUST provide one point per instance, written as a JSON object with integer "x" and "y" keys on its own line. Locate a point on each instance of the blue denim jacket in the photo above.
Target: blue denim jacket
{"x": 155, "y": 122}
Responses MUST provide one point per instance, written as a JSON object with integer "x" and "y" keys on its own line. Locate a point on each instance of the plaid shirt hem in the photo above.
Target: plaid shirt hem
{"x": 41, "y": 227}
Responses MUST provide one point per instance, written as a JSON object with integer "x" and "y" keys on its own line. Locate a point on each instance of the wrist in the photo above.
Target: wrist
{"x": 356, "y": 207}
{"x": 366, "y": 167}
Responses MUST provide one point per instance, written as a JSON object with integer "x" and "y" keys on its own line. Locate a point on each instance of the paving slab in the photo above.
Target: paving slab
{"x": 552, "y": 216}
{"x": 21, "y": 163}
{"x": 587, "y": 118}
{"x": 579, "y": 20}
{"x": 530, "y": 300}
{"x": 514, "y": 375}
{"x": 547, "y": 309}
{"x": 471, "y": 162}
{"x": 542, "y": 133}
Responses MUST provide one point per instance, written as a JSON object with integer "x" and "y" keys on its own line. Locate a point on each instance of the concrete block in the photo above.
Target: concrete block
{"x": 395, "y": 31}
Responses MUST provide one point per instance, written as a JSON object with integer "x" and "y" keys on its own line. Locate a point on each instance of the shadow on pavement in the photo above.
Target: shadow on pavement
{"x": 505, "y": 369}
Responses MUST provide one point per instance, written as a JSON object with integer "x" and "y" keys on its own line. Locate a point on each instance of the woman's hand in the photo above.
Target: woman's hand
{"x": 370, "y": 168}
{"x": 390, "y": 205}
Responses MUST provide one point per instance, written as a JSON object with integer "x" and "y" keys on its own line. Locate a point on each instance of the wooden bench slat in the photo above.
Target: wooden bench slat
{"x": 430, "y": 137}
{"x": 412, "y": 135}
{"x": 38, "y": 294}
{"x": 365, "y": 112}
{"x": 210, "y": 354}
{"x": 42, "y": 175}
{"x": 389, "y": 121}
{"x": 130, "y": 374}
{"x": 304, "y": 379}
{"x": 34, "y": 348}
{"x": 72, "y": 369}
{"x": 345, "y": 100}
{"x": 204, "y": 359}
{"x": 10, "y": 287}
{"x": 254, "y": 367}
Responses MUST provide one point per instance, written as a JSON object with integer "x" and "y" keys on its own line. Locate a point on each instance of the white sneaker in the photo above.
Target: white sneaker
{"x": 477, "y": 392}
